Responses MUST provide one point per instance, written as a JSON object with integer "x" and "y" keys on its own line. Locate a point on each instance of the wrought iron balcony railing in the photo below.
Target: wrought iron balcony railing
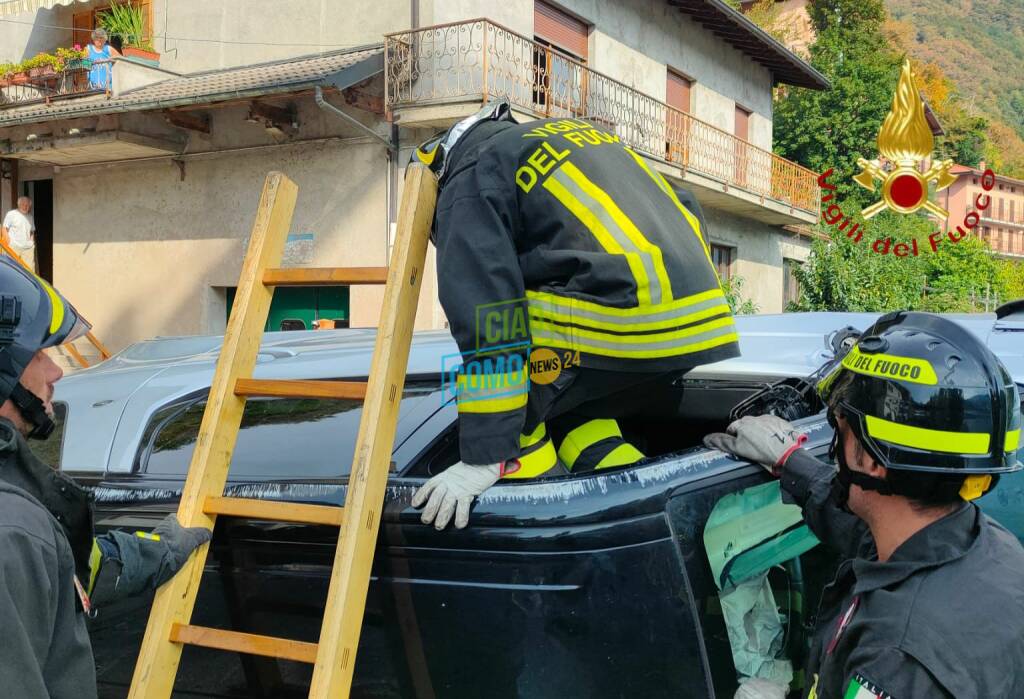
{"x": 21, "y": 89}
{"x": 476, "y": 60}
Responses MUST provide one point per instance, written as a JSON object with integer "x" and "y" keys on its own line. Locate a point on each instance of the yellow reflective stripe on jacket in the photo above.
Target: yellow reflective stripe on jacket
{"x": 622, "y": 455}
{"x": 691, "y": 309}
{"x": 665, "y": 187}
{"x": 500, "y": 404}
{"x": 614, "y": 230}
{"x": 929, "y": 440}
{"x": 492, "y": 393}
{"x": 695, "y": 338}
{"x": 584, "y": 436}
{"x": 536, "y": 462}
{"x": 890, "y": 366}
{"x": 1012, "y": 440}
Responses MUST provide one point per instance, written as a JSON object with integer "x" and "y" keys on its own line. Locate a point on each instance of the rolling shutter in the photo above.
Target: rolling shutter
{"x": 677, "y": 91}
{"x": 560, "y": 29}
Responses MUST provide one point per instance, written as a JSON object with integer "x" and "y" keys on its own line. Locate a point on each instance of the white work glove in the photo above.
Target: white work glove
{"x": 757, "y": 688}
{"x": 453, "y": 491}
{"x": 765, "y": 439}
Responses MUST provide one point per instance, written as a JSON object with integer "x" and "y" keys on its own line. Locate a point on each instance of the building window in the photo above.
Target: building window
{"x": 722, "y": 256}
{"x": 560, "y": 84}
{"x": 741, "y": 155}
{"x": 678, "y": 94}
{"x": 84, "y": 22}
{"x": 790, "y": 286}
{"x": 974, "y": 180}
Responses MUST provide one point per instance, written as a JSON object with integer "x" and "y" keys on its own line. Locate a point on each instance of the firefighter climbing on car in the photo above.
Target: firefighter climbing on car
{"x": 558, "y": 223}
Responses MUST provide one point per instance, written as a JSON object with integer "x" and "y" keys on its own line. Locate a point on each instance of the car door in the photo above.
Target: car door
{"x": 261, "y": 577}
{"x": 566, "y": 586}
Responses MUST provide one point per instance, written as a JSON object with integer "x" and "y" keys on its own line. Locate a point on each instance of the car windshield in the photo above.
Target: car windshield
{"x": 278, "y": 438}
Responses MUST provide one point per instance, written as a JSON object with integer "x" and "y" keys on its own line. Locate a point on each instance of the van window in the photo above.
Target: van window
{"x": 279, "y": 438}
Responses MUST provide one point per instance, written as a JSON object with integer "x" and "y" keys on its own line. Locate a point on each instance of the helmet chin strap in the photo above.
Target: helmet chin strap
{"x": 32, "y": 409}
{"x": 847, "y": 476}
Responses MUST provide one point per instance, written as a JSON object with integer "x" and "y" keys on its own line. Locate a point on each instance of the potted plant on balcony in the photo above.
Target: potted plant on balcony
{"x": 127, "y": 21}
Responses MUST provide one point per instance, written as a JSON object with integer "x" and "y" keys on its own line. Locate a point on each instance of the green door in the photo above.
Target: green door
{"x": 295, "y": 308}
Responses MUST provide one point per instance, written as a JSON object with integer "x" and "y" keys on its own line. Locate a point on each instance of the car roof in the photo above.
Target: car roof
{"x": 110, "y": 404}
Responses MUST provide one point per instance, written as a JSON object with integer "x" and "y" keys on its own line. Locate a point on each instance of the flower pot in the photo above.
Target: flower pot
{"x": 19, "y": 78}
{"x": 148, "y": 57}
{"x": 40, "y": 71}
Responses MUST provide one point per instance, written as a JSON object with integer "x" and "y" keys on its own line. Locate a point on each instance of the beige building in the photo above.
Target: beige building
{"x": 1002, "y": 222}
{"x": 145, "y": 188}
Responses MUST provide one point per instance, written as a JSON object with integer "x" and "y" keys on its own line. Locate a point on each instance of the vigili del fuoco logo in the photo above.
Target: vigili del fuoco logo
{"x": 898, "y": 175}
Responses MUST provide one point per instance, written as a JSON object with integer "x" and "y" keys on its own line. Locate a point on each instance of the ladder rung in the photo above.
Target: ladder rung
{"x": 252, "y": 644}
{"x": 273, "y": 510}
{"x": 281, "y": 388}
{"x": 324, "y": 276}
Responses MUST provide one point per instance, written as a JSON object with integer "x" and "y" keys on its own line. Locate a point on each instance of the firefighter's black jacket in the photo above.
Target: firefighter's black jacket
{"x": 554, "y": 235}
{"x": 942, "y": 617}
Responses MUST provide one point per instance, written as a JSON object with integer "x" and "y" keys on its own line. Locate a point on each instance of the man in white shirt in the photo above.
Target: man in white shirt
{"x": 19, "y": 231}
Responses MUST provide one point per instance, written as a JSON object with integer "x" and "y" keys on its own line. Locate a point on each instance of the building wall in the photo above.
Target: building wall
{"x": 144, "y": 250}
{"x": 636, "y": 40}
{"x": 759, "y": 251}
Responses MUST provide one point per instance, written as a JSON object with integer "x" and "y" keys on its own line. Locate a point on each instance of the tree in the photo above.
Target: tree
{"x": 824, "y": 129}
{"x": 841, "y": 275}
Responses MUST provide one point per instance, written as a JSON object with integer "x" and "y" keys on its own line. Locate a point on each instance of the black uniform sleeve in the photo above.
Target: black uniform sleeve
{"x": 481, "y": 289}
{"x": 807, "y": 482}
{"x": 889, "y": 673}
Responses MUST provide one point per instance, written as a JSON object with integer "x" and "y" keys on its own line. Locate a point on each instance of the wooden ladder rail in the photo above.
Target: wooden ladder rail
{"x": 334, "y": 655}
{"x": 69, "y": 346}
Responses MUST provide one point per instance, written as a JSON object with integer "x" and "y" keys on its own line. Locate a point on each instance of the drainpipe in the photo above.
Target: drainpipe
{"x": 391, "y": 156}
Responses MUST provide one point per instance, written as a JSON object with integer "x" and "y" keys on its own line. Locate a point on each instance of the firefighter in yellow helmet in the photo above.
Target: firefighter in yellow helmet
{"x": 578, "y": 287}
{"x": 930, "y": 599}
{"x": 52, "y": 570}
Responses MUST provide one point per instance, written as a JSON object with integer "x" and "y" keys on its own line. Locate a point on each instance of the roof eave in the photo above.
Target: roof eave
{"x": 789, "y": 69}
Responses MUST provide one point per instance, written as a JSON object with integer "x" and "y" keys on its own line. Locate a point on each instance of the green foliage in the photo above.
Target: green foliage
{"x": 733, "y": 288}
{"x": 126, "y": 21}
{"x": 979, "y": 45}
{"x": 832, "y": 128}
{"x": 1011, "y": 279}
{"x": 841, "y": 275}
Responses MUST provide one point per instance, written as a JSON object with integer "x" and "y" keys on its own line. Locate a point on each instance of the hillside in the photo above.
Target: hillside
{"x": 979, "y": 44}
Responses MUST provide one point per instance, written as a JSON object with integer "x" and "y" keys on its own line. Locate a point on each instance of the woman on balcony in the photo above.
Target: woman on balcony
{"x": 100, "y": 55}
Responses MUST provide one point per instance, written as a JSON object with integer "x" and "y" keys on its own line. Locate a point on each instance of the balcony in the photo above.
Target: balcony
{"x": 438, "y": 74}
{"x": 43, "y": 87}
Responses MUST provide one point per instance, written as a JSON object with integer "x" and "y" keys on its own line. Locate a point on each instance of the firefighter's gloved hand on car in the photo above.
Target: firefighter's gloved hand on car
{"x": 146, "y": 561}
{"x": 764, "y": 439}
{"x": 453, "y": 491}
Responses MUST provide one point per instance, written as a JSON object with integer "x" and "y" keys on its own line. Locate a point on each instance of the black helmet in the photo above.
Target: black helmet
{"x": 923, "y": 394}
{"x": 33, "y": 316}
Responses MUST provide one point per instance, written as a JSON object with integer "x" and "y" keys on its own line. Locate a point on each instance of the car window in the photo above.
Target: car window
{"x": 280, "y": 438}
{"x": 49, "y": 450}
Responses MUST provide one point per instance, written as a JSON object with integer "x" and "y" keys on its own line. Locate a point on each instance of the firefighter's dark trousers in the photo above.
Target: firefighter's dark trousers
{"x": 572, "y": 420}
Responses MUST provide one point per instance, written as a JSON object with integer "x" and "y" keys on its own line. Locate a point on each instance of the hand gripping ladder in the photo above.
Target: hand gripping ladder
{"x": 202, "y": 499}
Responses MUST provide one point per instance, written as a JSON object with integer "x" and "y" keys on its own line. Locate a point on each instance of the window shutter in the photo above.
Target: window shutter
{"x": 560, "y": 29}
{"x": 82, "y": 25}
{"x": 742, "y": 123}
{"x": 677, "y": 91}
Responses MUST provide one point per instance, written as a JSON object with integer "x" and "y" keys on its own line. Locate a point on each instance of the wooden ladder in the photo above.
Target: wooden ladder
{"x": 202, "y": 498}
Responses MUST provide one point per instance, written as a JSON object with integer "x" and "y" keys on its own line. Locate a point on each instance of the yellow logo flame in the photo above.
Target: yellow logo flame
{"x": 905, "y": 135}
